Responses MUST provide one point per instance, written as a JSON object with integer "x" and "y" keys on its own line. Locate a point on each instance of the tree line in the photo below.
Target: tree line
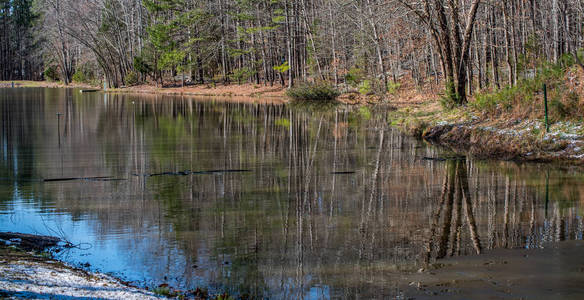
{"x": 19, "y": 58}
{"x": 464, "y": 44}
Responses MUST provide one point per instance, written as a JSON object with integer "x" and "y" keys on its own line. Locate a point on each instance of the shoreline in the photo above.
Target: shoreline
{"x": 505, "y": 138}
{"x": 418, "y": 114}
{"x": 34, "y": 274}
{"x": 512, "y": 143}
{"x": 244, "y": 92}
{"x": 27, "y": 270}
{"x": 207, "y": 90}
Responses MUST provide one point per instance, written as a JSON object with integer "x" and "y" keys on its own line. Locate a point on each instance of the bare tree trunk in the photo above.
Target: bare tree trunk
{"x": 289, "y": 46}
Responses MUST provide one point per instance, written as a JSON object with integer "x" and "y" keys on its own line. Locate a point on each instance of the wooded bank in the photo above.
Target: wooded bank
{"x": 467, "y": 44}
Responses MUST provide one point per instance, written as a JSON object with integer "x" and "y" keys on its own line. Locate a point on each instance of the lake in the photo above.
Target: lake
{"x": 263, "y": 199}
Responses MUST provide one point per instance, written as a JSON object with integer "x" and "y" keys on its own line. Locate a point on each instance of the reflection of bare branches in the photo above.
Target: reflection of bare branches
{"x": 455, "y": 235}
{"x": 435, "y": 219}
{"x": 469, "y": 212}
{"x": 366, "y": 217}
{"x": 443, "y": 243}
{"x": 455, "y": 189}
{"x": 492, "y": 212}
{"x": 506, "y": 214}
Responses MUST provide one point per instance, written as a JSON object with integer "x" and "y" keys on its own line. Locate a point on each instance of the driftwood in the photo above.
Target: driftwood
{"x": 29, "y": 241}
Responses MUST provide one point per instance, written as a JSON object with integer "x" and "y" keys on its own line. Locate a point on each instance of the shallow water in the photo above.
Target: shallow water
{"x": 270, "y": 200}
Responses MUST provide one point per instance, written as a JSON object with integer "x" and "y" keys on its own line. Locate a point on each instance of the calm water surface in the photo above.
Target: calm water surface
{"x": 279, "y": 201}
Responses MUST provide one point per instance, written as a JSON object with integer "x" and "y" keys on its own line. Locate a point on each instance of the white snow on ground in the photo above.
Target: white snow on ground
{"x": 34, "y": 280}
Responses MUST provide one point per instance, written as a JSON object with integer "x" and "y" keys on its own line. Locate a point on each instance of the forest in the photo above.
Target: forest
{"x": 465, "y": 45}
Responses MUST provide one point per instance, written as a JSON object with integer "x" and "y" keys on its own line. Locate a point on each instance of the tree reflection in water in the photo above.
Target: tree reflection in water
{"x": 454, "y": 191}
{"x": 337, "y": 203}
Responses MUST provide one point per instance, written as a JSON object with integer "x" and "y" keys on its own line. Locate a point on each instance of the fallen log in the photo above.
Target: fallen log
{"x": 29, "y": 241}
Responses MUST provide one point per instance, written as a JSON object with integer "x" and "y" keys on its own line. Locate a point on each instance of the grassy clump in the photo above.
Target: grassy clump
{"x": 313, "y": 92}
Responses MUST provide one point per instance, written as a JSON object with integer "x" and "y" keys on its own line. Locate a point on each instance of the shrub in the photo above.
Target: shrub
{"x": 502, "y": 99}
{"x": 525, "y": 98}
{"x": 393, "y": 87}
{"x": 242, "y": 74}
{"x": 84, "y": 74}
{"x": 317, "y": 92}
{"x": 557, "y": 108}
{"x": 132, "y": 78}
{"x": 365, "y": 87}
{"x": 376, "y": 86}
{"x": 80, "y": 77}
{"x": 141, "y": 65}
{"x": 51, "y": 73}
{"x": 449, "y": 99}
{"x": 354, "y": 77}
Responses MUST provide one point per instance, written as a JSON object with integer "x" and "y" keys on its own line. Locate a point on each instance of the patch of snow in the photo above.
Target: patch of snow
{"x": 42, "y": 281}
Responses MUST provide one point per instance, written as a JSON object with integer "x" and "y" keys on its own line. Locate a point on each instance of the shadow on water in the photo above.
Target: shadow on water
{"x": 335, "y": 203}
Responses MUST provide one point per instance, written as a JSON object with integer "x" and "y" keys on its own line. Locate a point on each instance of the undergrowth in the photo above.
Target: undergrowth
{"x": 313, "y": 92}
{"x": 526, "y": 98}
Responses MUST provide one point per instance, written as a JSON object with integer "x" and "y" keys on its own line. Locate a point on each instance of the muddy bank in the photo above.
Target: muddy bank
{"x": 554, "y": 272}
{"x": 513, "y": 140}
